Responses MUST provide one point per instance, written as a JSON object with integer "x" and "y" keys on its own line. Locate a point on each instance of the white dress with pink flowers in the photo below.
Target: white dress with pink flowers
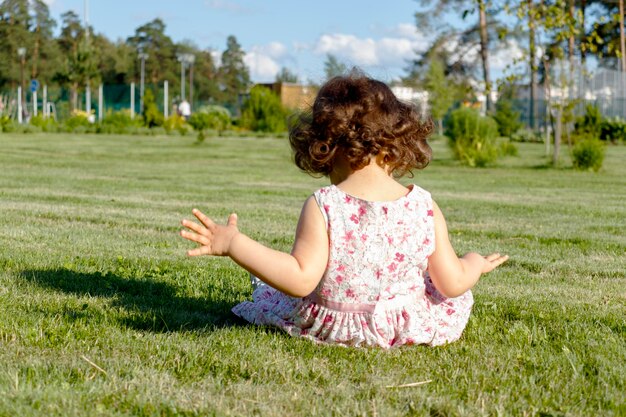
{"x": 375, "y": 290}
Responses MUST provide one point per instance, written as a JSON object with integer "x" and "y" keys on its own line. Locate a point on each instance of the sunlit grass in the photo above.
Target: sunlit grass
{"x": 102, "y": 314}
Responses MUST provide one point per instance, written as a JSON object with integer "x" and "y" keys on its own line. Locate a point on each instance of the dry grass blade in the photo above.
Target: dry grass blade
{"x": 412, "y": 384}
{"x": 86, "y": 359}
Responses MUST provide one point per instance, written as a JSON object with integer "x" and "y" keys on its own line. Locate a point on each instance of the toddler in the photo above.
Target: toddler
{"x": 371, "y": 264}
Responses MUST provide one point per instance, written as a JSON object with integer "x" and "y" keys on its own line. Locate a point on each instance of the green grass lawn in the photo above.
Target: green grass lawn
{"x": 102, "y": 314}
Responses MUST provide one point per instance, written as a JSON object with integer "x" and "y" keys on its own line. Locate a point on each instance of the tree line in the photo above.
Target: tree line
{"x": 545, "y": 31}
{"x": 78, "y": 56}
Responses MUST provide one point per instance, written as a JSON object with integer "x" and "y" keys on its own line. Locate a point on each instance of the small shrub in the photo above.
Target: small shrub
{"x": 588, "y": 154}
{"x": 526, "y": 135}
{"x": 507, "y": 118}
{"x": 151, "y": 115}
{"x": 200, "y": 122}
{"x": 613, "y": 130}
{"x": 78, "y": 119}
{"x": 263, "y": 111}
{"x": 590, "y": 122}
{"x": 175, "y": 124}
{"x": 118, "y": 122}
{"x": 220, "y": 118}
{"x": 472, "y": 137}
{"x": 7, "y": 124}
{"x": 46, "y": 124}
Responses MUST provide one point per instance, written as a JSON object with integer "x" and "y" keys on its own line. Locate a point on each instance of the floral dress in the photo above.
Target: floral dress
{"x": 375, "y": 290}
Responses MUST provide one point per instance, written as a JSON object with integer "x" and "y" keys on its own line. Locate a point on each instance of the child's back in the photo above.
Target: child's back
{"x": 375, "y": 290}
{"x": 357, "y": 273}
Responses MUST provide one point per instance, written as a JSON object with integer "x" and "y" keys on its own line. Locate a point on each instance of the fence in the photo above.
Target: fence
{"x": 57, "y": 101}
{"x": 601, "y": 87}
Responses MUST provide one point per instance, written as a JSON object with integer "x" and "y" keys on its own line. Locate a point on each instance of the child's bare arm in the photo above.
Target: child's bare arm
{"x": 296, "y": 274}
{"x": 452, "y": 275}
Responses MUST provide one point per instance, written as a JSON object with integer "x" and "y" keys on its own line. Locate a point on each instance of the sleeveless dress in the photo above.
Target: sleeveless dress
{"x": 375, "y": 290}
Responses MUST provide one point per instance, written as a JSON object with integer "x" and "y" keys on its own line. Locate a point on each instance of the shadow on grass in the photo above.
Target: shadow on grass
{"x": 142, "y": 304}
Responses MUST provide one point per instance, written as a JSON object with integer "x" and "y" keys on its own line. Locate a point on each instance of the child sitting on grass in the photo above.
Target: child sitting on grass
{"x": 371, "y": 264}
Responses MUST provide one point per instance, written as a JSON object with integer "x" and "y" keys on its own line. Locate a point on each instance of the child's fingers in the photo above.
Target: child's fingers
{"x": 202, "y": 250}
{"x": 492, "y": 257}
{"x": 203, "y": 218}
{"x": 201, "y": 230}
{"x": 194, "y": 237}
{"x": 498, "y": 260}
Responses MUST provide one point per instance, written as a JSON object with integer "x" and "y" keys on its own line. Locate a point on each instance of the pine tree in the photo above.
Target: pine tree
{"x": 233, "y": 75}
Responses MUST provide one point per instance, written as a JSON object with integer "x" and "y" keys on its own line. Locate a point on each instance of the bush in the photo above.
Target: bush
{"x": 151, "y": 115}
{"x": 526, "y": 135}
{"x": 200, "y": 122}
{"x": 78, "y": 119}
{"x": 118, "y": 122}
{"x": 472, "y": 137}
{"x": 7, "y": 124}
{"x": 263, "y": 111}
{"x": 220, "y": 117}
{"x": 590, "y": 122}
{"x": 613, "y": 130}
{"x": 27, "y": 128}
{"x": 175, "y": 123}
{"x": 588, "y": 154}
{"x": 507, "y": 118}
{"x": 46, "y": 124}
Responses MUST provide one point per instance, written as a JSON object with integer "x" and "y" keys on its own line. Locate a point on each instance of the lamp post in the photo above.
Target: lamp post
{"x": 184, "y": 59}
{"x": 142, "y": 56}
{"x": 192, "y": 59}
{"x": 21, "y": 52}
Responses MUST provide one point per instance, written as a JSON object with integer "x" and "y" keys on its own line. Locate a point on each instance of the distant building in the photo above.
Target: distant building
{"x": 293, "y": 96}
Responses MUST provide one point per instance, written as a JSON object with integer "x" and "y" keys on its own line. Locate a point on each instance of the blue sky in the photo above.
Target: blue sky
{"x": 379, "y": 36}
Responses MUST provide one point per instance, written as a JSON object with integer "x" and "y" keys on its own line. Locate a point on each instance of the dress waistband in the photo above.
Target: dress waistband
{"x": 398, "y": 301}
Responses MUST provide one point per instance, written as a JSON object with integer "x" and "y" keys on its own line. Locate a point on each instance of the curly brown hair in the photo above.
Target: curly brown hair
{"x": 362, "y": 118}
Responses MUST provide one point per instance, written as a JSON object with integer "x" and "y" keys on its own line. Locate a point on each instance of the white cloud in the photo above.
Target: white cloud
{"x": 275, "y": 50}
{"x": 393, "y": 50}
{"x": 265, "y": 61}
{"x": 349, "y": 47}
{"x": 380, "y": 56}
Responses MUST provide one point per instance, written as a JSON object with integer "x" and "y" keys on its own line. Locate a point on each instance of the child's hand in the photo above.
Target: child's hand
{"x": 493, "y": 261}
{"x": 213, "y": 239}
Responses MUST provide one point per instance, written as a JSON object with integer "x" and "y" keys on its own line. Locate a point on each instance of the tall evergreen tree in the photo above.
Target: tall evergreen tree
{"x": 69, "y": 42}
{"x": 151, "y": 39}
{"x": 205, "y": 83}
{"x": 234, "y": 76}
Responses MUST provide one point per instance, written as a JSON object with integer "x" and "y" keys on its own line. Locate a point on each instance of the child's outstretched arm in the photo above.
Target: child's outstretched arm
{"x": 296, "y": 274}
{"x": 452, "y": 275}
